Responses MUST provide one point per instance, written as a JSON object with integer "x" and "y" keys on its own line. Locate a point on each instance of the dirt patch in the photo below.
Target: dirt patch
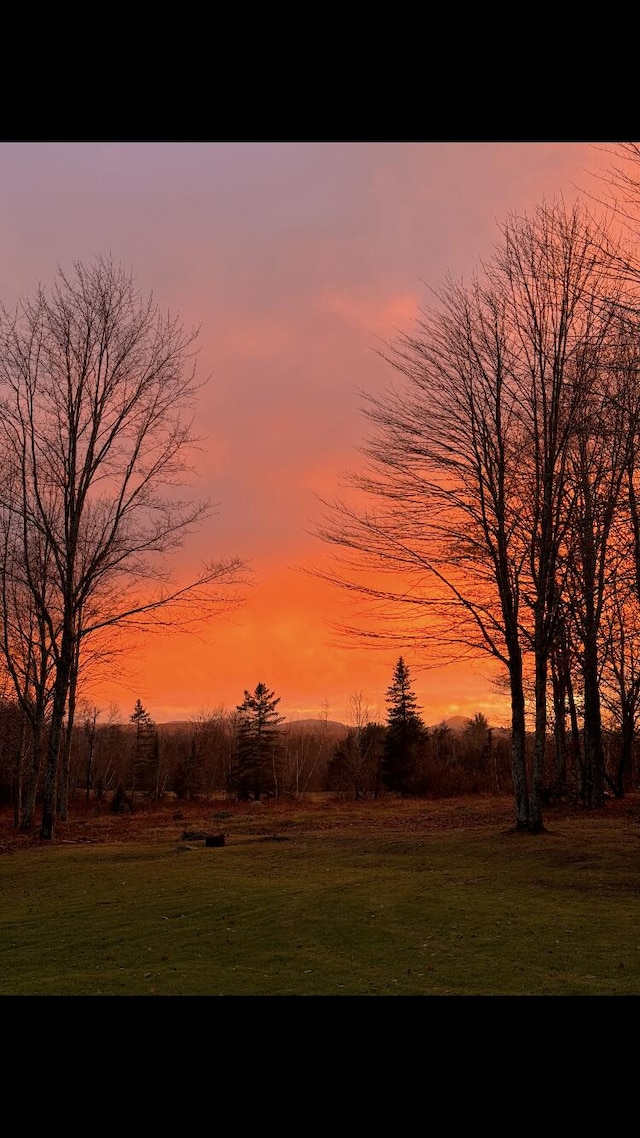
{"x": 166, "y": 821}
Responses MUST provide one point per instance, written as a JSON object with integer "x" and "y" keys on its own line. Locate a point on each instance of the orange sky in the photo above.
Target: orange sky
{"x": 295, "y": 260}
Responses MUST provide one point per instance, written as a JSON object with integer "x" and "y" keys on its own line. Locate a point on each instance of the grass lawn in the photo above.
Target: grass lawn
{"x": 324, "y": 898}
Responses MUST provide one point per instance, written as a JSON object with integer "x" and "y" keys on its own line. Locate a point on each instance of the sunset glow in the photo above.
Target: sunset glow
{"x": 296, "y": 261}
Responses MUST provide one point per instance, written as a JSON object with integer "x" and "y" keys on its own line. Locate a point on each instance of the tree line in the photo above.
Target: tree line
{"x": 251, "y": 754}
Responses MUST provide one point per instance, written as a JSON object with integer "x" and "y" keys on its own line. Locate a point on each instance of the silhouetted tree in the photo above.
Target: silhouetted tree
{"x": 476, "y": 751}
{"x": 468, "y": 507}
{"x": 90, "y": 727}
{"x": 257, "y": 758}
{"x": 405, "y": 732}
{"x": 307, "y": 752}
{"x": 146, "y": 756}
{"x": 620, "y": 679}
{"x": 355, "y": 765}
{"x": 26, "y": 590}
{"x": 476, "y": 733}
{"x": 97, "y": 389}
{"x": 198, "y": 754}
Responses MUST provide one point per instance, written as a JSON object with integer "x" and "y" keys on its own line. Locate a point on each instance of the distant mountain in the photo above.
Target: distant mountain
{"x": 331, "y": 725}
{"x": 454, "y": 723}
{"x": 174, "y": 725}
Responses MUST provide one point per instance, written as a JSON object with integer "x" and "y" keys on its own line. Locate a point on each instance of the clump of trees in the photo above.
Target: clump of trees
{"x": 403, "y": 756}
{"x": 139, "y": 760}
{"x": 356, "y": 764}
{"x": 502, "y": 482}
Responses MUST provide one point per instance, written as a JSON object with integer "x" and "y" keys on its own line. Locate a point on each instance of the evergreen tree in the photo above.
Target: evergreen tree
{"x": 405, "y": 732}
{"x": 258, "y": 749}
{"x": 146, "y": 754}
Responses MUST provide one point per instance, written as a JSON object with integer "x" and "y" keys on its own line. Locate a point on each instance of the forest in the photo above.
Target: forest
{"x": 496, "y": 514}
{"x": 251, "y": 754}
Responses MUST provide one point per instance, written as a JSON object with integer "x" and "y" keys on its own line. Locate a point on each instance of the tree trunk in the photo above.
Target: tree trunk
{"x": 537, "y": 775}
{"x": 19, "y": 773}
{"x": 560, "y": 724}
{"x": 626, "y": 751}
{"x": 593, "y": 751}
{"x": 518, "y": 742}
{"x": 63, "y": 783}
{"x": 33, "y": 778}
{"x": 60, "y": 693}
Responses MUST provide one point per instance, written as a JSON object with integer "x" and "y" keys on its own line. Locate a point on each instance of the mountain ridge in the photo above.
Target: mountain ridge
{"x": 455, "y": 723}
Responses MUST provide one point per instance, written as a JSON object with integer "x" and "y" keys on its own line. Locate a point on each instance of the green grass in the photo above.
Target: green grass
{"x": 349, "y": 911}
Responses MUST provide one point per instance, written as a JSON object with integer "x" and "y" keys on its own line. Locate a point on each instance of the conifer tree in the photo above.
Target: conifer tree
{"x": 146, "y": 755}
{"x": 258, "y": 749}
{"x": 405, "y": 732}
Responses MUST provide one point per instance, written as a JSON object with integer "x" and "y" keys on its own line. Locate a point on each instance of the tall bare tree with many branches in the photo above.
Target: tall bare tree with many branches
{"x": 468, "y": 489}
{"x": 97, "y": 391}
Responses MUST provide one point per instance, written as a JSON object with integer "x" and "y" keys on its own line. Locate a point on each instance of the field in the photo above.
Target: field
{"x": 323, "y": 897}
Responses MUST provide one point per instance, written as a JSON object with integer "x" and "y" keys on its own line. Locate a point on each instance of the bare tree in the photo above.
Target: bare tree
{"x": 599, "y": 455}
{"x": 90, "y": 715}
{"x": 357, "y": 758}
{"x": 305, "y": 752}
{"x": 201, "y": 754}
{"x": 620, "y": 681}
{"x": 443, "y": 473}
{"x": 617, "y": 187}
{"x": 98, "y": 390}
{"x": 468, "y": 466}
{"x": 26, "y": 574}
{"x": 569, "y": 764}
{"x": 565, "y": 301}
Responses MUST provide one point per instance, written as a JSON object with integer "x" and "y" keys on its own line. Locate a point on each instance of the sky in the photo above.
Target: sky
{"x": 296, "y": 261}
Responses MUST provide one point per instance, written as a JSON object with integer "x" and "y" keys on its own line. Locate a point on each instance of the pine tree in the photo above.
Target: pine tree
{"x": 258, "y": 749}
{"x": 405, "y": 732}
{"x": 146, "y": 755}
